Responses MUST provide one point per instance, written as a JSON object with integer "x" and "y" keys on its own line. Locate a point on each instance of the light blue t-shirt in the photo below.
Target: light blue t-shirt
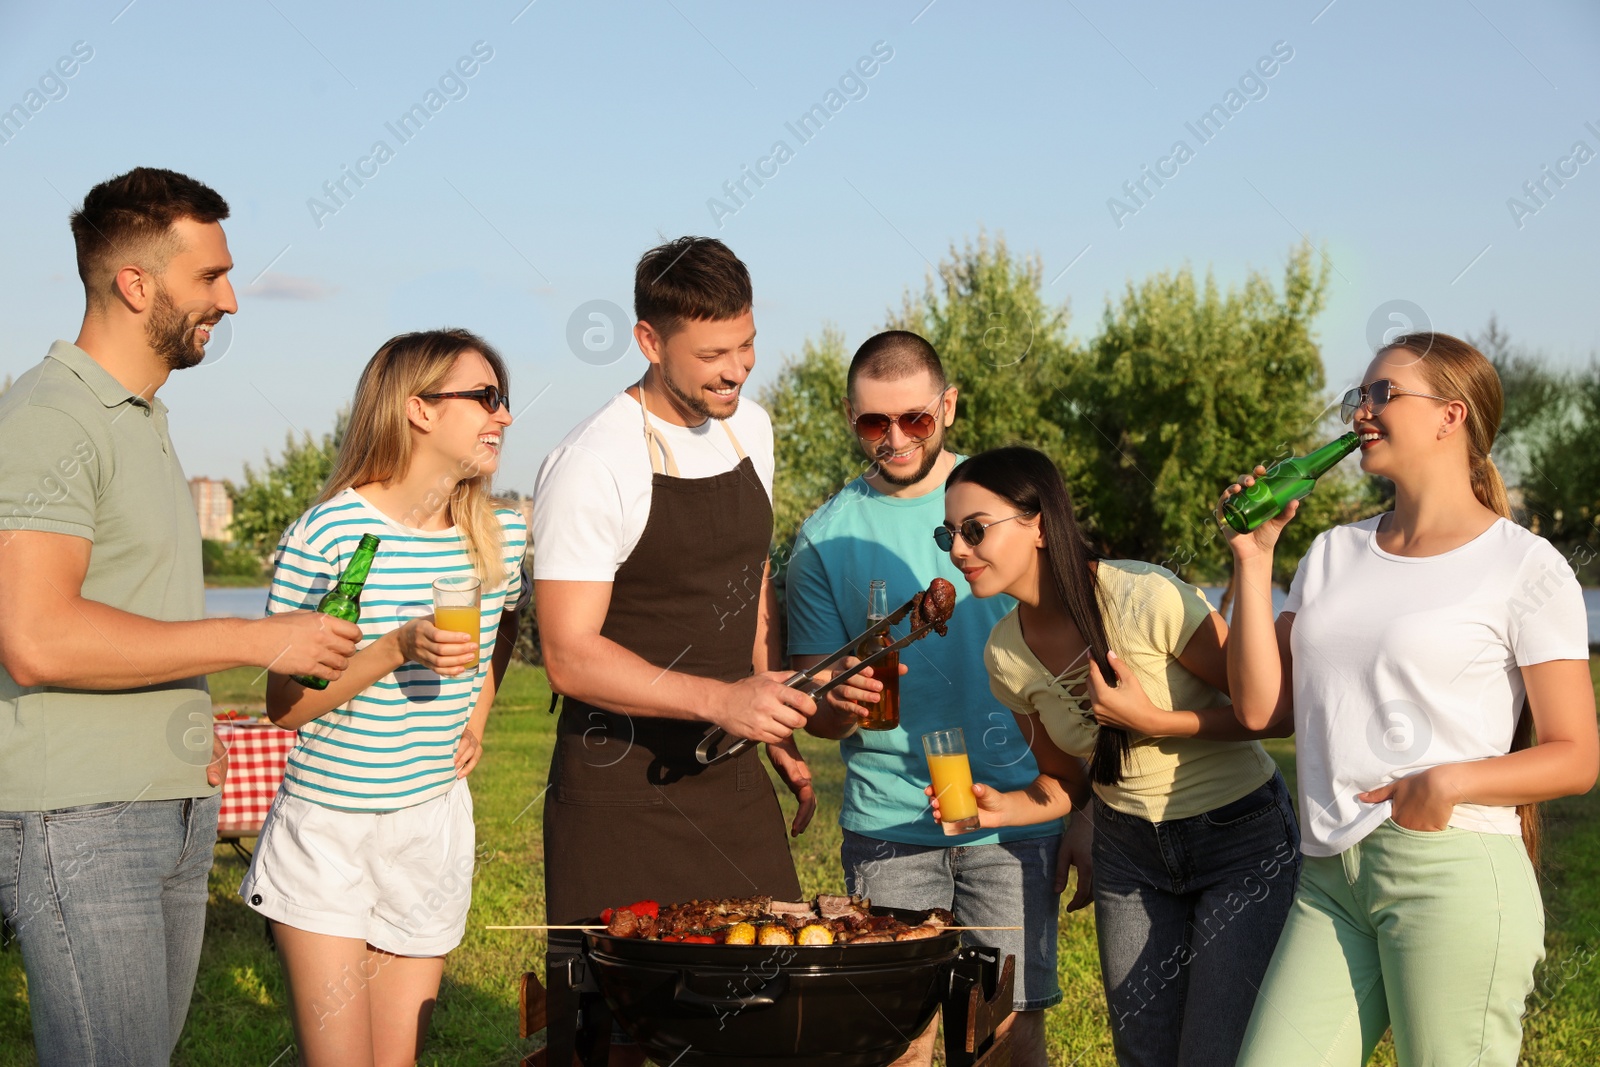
{"x": 856, "y": 537}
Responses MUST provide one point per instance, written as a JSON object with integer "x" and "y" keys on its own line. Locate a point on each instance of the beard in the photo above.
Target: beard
{"x": 171, "y": 335}
{"x": 932, "y": 448}
{"x": 695, "y": 402}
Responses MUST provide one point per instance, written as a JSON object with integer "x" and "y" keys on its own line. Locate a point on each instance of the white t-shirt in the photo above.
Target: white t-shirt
{"x": 1405, "y": 663}
{"x": 592, "y": 496}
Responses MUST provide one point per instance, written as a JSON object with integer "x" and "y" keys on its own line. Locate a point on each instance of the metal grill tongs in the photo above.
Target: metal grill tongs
{"x": 707, "y": 751}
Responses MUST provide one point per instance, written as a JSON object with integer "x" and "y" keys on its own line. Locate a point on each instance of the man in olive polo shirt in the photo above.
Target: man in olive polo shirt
{"x": 109, "y": 768}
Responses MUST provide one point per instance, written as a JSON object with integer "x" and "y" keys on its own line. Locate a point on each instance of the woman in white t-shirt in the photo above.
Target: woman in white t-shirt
{"x": 364, "y": 865}
{"x": 1419, "y": 652}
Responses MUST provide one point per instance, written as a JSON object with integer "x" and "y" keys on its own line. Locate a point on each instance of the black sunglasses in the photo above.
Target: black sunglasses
{"x": 971, "y": 531}
{"x": 489, "y": 396}
{"x": 1377, "y": 396}
{"x": 917, "y": 425}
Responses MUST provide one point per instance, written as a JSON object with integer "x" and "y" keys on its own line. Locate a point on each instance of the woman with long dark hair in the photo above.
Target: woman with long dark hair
{"x": 1195, "y": 849}
{"x": 1418, "y": 654}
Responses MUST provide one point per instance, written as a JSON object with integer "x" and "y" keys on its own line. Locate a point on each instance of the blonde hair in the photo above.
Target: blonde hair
{"x": 1453, "y": 368}
{"x": 377, "y": 441}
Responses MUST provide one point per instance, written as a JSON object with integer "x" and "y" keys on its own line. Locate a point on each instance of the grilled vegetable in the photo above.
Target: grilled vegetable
{"x": 815, "y": 934}
{"x": 741, "y": 934}
{"x": 776, "y": 934}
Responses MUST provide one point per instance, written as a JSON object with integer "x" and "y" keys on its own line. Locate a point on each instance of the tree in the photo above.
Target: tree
{"x": 1184, "y": 389}
{"x": 815, "y": 451}
{"x": 1561, "y": 492}
{"x": 1536, "y": 402}
{"x": 999, "y": 343}
{"x": 270, "y": 501}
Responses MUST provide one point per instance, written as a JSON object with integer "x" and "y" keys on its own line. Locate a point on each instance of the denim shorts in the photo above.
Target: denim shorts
{"x": 1006, "y": 884}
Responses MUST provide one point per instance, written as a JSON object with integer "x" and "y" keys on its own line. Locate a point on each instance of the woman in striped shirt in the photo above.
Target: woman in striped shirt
{"x": 364, "y": 865}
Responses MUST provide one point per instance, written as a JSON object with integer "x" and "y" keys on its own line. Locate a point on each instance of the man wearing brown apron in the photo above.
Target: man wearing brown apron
{"x": 652, "y": 526}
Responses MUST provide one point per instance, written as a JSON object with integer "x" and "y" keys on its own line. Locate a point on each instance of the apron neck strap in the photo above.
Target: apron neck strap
{"x": 661, "y": 459}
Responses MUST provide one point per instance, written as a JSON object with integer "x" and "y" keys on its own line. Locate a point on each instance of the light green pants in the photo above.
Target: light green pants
{"x": 1436, "y": 934}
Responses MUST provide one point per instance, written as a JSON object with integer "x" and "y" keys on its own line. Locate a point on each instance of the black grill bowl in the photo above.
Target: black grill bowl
{"x": 804, "y": 1006}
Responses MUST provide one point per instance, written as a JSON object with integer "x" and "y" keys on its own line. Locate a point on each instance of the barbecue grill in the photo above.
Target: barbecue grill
{"x": 797, "y": 1006}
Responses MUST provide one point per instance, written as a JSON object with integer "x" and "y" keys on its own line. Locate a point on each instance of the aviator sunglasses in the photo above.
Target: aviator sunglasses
{"x": 971, "y": 531}
{"x": 1377, "y": 396}
{"x": 489, "y": 396}
{"x": 917, "y": 425}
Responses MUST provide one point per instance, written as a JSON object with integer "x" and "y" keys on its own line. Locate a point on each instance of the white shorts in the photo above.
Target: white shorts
{"x": 400, "y": 880}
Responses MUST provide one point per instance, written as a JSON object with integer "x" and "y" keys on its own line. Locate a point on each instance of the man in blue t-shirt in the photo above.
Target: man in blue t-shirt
{"x": 880, "y": 527}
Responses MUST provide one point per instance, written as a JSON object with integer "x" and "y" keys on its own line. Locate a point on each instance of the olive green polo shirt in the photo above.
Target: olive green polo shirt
{"x": 81, "y": 455}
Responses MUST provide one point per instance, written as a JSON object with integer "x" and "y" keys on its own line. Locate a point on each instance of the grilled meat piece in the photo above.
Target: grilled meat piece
{"x": 935, "y": 606}
{"x": 919, "y": 933}
{"x": 836, "y": 907}
{"x": 624, "y": 923}
{"x": 789, "y": 907}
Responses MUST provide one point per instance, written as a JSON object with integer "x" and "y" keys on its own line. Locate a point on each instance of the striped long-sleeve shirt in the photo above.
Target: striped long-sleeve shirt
{"x": 393, "y": 745}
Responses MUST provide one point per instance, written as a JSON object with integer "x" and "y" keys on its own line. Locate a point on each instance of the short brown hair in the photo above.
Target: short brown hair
{"x": 689, "y": 278}
{"x": 130, "y": 216}
{"x": 892, "y": 355}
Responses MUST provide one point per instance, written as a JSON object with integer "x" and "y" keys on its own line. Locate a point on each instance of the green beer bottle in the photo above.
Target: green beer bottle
{"x": 1286, "y": 480}
{"x": 343, "y": 601}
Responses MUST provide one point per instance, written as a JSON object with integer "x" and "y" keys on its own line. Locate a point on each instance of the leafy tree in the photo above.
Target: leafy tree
{"x": 1184, "y": 389}
{"x": 816, "y": 452}
{"x": 219, "y": 559}
{"x": 1536, "y": 403}
{"x": 1561, "y": 491}
{"x": 271, "y": 499}
{"x": 999, "y": 344}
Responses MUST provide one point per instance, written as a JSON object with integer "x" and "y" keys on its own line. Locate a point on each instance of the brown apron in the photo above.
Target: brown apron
{"x": 630, "y": 814}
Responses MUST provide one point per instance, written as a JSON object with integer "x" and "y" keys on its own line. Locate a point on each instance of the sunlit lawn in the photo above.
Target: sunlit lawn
{"x": 238, "y": 1016}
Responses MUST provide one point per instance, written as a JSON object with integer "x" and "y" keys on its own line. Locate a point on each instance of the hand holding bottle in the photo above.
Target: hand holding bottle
{"x": 1260, "y": 541}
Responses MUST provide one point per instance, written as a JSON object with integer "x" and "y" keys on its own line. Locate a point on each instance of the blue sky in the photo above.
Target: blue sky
{"x": 1392, "y": 137}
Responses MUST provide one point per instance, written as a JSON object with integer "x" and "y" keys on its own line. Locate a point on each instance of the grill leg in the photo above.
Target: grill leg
{"x": 979, "y": 1000}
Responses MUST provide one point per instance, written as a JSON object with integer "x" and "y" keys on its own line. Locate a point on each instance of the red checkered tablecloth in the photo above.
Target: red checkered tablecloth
{"x": 256, "y": 755}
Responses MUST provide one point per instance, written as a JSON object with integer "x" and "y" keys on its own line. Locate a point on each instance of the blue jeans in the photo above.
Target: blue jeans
{"x": 1008, "y": 884}
{"x": 1188, "y": 913}
{"x": 109, "y": 904}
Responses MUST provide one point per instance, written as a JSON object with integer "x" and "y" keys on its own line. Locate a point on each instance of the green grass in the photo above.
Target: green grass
{"x": 238, "y": 1016}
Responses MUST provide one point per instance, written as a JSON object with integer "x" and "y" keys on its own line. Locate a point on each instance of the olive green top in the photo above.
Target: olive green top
{"x": 1150, "y": 615}
{"x": 85, "y": 457}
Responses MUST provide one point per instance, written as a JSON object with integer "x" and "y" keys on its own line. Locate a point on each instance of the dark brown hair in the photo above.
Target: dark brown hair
{"x": 1027, "y": 480}
{"x": 689, "y": 278}
{"x": 1457, "y": 370}
{"x": 128, "y": 219}
{"x": 892, "y": 355}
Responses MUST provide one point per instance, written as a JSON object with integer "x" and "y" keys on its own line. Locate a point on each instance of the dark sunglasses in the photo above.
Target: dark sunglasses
{"x": 917, "y": 425}
{"x": 1377, "y": 397}
{"x": 489, "y": 396}
{"x": 971, "y": 531}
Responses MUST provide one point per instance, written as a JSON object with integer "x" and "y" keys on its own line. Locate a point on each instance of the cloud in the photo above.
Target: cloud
{"x": 274, "y": 286}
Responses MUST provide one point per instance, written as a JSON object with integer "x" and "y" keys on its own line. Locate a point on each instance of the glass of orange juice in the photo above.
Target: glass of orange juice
{"x": 952, "y": 779}
{"x": 457, "y": 608}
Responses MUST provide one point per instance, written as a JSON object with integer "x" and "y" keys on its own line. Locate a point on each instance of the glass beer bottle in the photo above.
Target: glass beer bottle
{"x": 343, "y": 601}
{"x": 1286, "y": 480}
{"x": 885, "y": 714}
